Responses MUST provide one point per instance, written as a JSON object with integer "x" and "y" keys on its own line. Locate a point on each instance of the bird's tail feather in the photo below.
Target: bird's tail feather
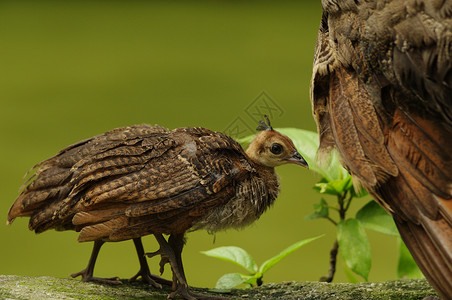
{"x": 426, "y": 244}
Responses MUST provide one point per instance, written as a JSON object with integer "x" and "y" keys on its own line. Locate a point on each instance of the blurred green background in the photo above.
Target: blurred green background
{"x": 73, "y": 69}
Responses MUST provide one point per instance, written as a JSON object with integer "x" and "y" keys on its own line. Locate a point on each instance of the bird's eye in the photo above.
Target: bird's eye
{"x": 276, "y": 148}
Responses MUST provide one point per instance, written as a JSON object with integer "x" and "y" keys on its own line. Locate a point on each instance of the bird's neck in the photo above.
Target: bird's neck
{"x": 267, "y": 173}
{"x": 271, "y": 180}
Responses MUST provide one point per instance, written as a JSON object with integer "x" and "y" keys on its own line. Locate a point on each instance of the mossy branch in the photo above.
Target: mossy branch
{"x": 24, "y": 287}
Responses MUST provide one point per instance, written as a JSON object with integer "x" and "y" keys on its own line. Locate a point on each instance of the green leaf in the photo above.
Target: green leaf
{"x": 324, "y": 188}
{"x": 350, "y": 275}
{"x": 252, "y": 280}
{"x": 235, "y": 255}
{"x": 275, "y": 259}
{"x": 335, "y": 187}
{"x": 320, "y": 211}
{"x": 307, "y": 143}
{"x": 354, "y": 246}
{"x": 229, "y": 281}
{"x": 406, "y": 266}
{"x": 342, "y": 185}
{"x": 373, "y": 216}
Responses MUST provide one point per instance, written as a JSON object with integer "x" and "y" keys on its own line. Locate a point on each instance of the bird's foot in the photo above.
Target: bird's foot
{"x": 185, "y": 293}
{"x": 87, "y": 277}
{"x": 154, "y": 280}
{"x": 163, "y": 260}
{"x": 152, "y": 254}
{"x": 146, "y": 277}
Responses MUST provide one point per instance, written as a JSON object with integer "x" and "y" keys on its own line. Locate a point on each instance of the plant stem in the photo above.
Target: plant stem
{"x": 344, "y": 203}
{"x": 333, "y": 208}
{"x": 349, "y": 201}
{"x": 259, "y": 281}
{"x": 332, "y": 221}
{"x": 333, "y": 258}
{"x": 342, "y": 208}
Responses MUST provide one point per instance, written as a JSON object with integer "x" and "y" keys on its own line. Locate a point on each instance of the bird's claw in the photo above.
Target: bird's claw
{"x": 185, "y": 293}
{"x": 146, "y": 278}
{"x": 152, "y": 254}
{"x": 163, "y": 260}
{"x": 89, "y": 278}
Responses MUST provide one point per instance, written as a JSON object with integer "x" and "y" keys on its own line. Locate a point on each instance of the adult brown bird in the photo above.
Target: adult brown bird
{"x": 141, "y": 180}
{"x": 381, "y": 95}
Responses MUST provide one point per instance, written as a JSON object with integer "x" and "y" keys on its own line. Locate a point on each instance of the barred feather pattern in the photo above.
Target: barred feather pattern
{"x": 381, "y": 94}
{"x": 140, "y": 180}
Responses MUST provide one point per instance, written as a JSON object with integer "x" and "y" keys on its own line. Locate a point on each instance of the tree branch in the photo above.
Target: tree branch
{"x": 31, "y": 287}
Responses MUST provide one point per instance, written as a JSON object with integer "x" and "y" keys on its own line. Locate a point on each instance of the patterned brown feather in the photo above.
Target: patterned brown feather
{"x": 382, "y": 95}
{"x": 140, "y": 180}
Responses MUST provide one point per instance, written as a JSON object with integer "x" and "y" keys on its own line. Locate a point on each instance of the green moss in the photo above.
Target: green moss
{"x": 23, "y": 287}
{"x": 403, "y": 289}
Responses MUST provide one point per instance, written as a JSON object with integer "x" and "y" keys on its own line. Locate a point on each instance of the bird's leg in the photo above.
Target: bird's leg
{"x": 163, "y": 259}
{"x": 168, "y": 252}
{"x": 144, "y": 271}
{"x": 177, "y": 243}
{"x": 180, "y": 286}
{"x": 173, "y": 249}
{"x": 87, "y": 273}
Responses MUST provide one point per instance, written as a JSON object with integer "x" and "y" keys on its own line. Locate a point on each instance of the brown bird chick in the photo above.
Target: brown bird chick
{"x": 140, "y": 180}
{"x": 382, "y": 96}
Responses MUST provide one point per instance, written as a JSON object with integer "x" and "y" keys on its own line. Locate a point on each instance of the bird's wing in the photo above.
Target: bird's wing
{"x": 171, "y": 192}
{"x": 381, "y": 94}
{"x": 133, "y": 181}
{"x": 53, "y": 189}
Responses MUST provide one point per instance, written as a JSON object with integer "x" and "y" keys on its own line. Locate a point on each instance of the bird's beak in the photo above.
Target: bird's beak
{"x": 297, "y": 159}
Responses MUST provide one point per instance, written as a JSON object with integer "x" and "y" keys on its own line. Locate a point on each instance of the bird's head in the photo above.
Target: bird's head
{"x": 271, "y": 148}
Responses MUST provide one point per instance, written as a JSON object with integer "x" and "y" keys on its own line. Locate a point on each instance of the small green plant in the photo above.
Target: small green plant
{"x": 351, "y": 239}
{"x": 241, "y": 258}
